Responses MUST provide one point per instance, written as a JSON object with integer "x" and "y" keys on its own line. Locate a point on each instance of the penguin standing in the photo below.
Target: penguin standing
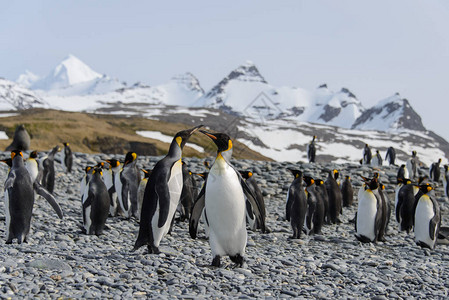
{"x": 162, "y": 195}
{"x": 95, "y": 203}
{"x": 404, "y": 207}
{"x": 335, "y": 197}
{"x": 19, "y": 199}
{"x": 33, "y": 167}
{"x": 427, "y": 218}
{"x": 48, "y": 177}
{"x": 252, "y": 184}
{"x": 347, "y": 192}
{"x": 67, "y": 158}
{"x": 188, "y": 194}
{"x": 390, "y": 157}
{"x": 386, "y": 212}
{"x": 315, "y": 208}
{"x": 321, "y": 188}
{"x": 377, "y": 160}
{"x": 369, "y": 212}
{"x": 367, "y": 155}
{"x": 110, "y": 176}
{"x": 412, "y": 164}
{"x": 202, "y": 217}
{"x": 296, "y": 207}
{"x": 127, "y": 183}
{"x": 223, "y": 195}
{"x": 446, "y": 180}
{"x": 434, "y": 171}
{"x": 311, "y": 150}
{"x": 403, "y": 172}
{"x": 21, "y": 139}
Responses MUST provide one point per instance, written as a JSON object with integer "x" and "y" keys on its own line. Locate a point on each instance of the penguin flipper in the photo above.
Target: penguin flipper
{"x": 378, "y": 219}
{"x": 197, "y": 209}
{"x": 163, "y": 198}
{"x": 10, "y": 180}
{"x": 40, "y": 190}
{"x": 251, "y": 198}
{"x": 434, "y": 225}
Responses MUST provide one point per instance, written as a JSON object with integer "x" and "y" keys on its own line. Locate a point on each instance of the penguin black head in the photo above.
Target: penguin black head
{"x": 130, "y": 157}
{"x": 146, "y": 172}
{"x": 65, "y": 144}
{"x": 33, "y": 154}
{"x": 183, "y": 136}
{"x": 347, "y": 177}
{"x": 97, "y": 170}
{"x": 413, "y": 153}
{"x": 308, "y": 180}
{"x": 88, "y": 169}
{"x": 222, "y": 140}
{"x": 371, "y": 184}
{"x": 246, "y": 174}
{"x": 296, "y": 173}
{"x": 335, "y": 173}
{"x": 423, "y": 179}
{"x": 425, "y": 188}
{"x": 15, "y": 153}
{"x": 319, "y": 182}
{"x": 206, "y": 164}
{"x": 113, "y": 163}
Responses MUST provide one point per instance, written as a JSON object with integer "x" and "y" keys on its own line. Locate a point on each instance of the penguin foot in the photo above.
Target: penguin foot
{"x": 237, "y": 259}
{"x": 153, "y": 250}
{"x": 216, "y": 261}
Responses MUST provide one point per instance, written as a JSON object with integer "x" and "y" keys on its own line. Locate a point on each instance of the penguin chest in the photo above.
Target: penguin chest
{"x": 366, "y": 215}
{"x": 175, "y": 183}
{"x": 224, "y": 200}
{"x": 423, "y": 216}
{"x": 31, "y": 166}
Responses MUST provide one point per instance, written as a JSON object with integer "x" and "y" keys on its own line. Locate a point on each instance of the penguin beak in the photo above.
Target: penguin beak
{"x": 208, "y": 134}
{"x": 195, "y": 129}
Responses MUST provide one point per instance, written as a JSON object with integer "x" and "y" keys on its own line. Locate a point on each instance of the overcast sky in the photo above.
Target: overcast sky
{"x": 374, "y": 49}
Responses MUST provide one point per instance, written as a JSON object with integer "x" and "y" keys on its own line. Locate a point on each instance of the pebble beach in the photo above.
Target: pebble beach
{"x": 60, "y": 261}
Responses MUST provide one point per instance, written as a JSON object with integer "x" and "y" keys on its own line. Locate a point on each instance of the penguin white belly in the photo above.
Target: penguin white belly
{"x": 396, "y": 200}
{"x": 140, "y": 194}
{"x": 118, "y": 190}
{"x": 7, "y": 214}
{"x": 225, "y": 209}
{"x": 64, "y": 167}
{"x": 31, "y": 166}
{"x": 175, "y": 187}
{"x": 366, "y": 215}
{"x": 88, "y": 219}
{"x": 423, "y": 214}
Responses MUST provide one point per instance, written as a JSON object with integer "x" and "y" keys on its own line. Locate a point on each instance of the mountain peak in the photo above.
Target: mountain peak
{"x": 70, "y": 71}
{"x": 246, "y": 72}
{"x": 189, "y": 81}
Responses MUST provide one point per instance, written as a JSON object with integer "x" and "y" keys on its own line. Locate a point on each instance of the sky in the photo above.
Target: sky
{"x": 374, "y": 48}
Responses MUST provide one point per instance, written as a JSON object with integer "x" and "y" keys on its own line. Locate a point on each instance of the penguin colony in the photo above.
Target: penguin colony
{"x": 229, "y": 201}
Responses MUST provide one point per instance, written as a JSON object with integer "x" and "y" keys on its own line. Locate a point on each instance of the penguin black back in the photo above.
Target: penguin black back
{"x": 67, "y": 157}
{"x": 347, "y": 192}
{"x": 335, "y": 198}
{"x": 296, "y": 204}
{"x": 48, "y": 179}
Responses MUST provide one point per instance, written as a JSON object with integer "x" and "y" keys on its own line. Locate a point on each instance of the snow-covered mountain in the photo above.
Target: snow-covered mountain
{"x": 392, "y": 113}
{"x": 245, "y": 91}
{"x": 16, "y": 97}
{"x": 276, "y": 121}
{"x": 27, "y": 79}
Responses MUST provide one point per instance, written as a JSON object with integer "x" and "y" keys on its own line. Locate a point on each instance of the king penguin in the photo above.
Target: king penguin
{"x": 334, "y": 193}
{"x": 252, "y": 184}
{"x": 110, "y": 176}
{"x": 95, "y": 203}
{"x": 127, "y": 183}
{"x": 390, "y": 157}
{"x": 404, "y": 204}
{"x": 434, "y": 171}
{"x": 33, "y": 167}
{"x": 427, "y": 218}
{"x": 226, "y": 197}
{"x": 321, "y": 188}
{"x": 347, "y": 192}
{"x": 403, "y": 172}
{"x": 67, "y": 158}
{"x": 367, "y": 155}
{"x": 311, "y": 150}
{"x": 296, "y": 204}
{"x": 48, "y": 177}
{"x": 19, "y": 200}
{"x": 412, "y": 164}
{"x": 141, "y": 190}
{"x": 369, "y": 212}
{"x": 162, "y": 194}
{"x": 315, "y": 208}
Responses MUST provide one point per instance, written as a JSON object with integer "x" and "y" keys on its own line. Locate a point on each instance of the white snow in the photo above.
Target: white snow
{"x": 156, "y": 135}
{"x": 3, "y": 135}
